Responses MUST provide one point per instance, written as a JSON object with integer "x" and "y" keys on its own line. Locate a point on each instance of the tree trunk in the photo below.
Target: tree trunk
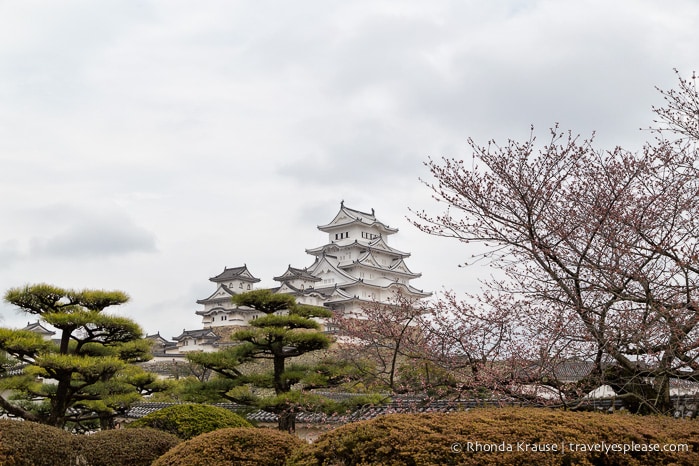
{"x": 59, "y": 405}
{"x": 279, "y": 385}
{"x": 662, "y": 387}
{"x": 287, "y": 422}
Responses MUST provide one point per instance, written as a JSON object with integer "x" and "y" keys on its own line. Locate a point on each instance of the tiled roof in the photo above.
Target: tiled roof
{"x": 235, "y": 273}
{"x": 201, "y": 333}
{"x": 294, "y": 273}
{"x": 138, "y": 410}
{"x": 398, "y": 405}
{"x": 38, "y": 328}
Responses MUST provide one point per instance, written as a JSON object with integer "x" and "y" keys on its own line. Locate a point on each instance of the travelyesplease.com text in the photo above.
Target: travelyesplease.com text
{"x": 562, "y": 447}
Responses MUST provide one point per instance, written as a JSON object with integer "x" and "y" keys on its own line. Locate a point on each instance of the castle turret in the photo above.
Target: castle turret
{"x": 219, "y": 310}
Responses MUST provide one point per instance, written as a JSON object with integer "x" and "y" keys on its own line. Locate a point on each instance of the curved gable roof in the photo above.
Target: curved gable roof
{"x": 400, "y": 266}
{"x": 293, "y": 273}
{"x": 347, "y": 216}
{"x": 381, "y": 245}
{"x": 222, "y": 294}
{"x": 322, "y": 263}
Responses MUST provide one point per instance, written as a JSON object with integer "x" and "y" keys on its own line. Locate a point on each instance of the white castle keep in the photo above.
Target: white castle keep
{"x": 355, "y": 268}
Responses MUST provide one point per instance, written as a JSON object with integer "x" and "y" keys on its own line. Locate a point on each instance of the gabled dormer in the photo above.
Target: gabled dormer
{"x": 329, "y": 274}
{"x": 299, "y": 279}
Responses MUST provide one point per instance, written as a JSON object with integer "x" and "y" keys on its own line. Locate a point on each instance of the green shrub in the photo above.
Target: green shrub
{"x": 235, "y": 446}
{"x": 443, "y": 439}
{"x": 133, "y": 447}
{"x": 24, "y": 443}
{"x": 189, "y": 420}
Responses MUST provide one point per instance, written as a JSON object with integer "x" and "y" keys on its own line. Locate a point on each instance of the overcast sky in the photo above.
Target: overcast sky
{"x": 145, "y": 145}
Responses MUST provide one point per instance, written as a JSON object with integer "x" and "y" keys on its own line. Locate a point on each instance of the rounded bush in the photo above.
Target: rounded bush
{"x": 24, "y": 443}
{"x": 135, "y": 447}
{"x": 505, "y": 436}
{"x": 239, "y": 446}
{"x": 189, "y": 420}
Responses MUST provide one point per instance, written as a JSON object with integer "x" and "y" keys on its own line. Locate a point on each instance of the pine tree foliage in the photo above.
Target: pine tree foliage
{"x": 287, "y": 330}
{"x": 84, "y": 376}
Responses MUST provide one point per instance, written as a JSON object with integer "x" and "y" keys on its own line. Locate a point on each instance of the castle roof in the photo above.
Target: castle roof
{"x": 378, "y": 244}
{"x": 222, "y": 295}
{"x": 235, "y": 273}
{"x": 323, "y": 265}
{"x": 346, "y": 217}
{"x": 322, "y": 293}
{"x": 386, "y": 283}
{"x": 38, "y": 328}
{"x": 293, "y": 273}
{"x": 203, "y": 333}
{"x": 157, "y": 338}
{"x": 368, "y": 260}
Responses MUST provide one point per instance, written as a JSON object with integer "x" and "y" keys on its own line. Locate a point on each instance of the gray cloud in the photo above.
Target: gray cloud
{"x": 88, "y": 234}
{"x": 225, "y": 133}
{"x": 361, "y": 155}
{"x": 9, "y": 252}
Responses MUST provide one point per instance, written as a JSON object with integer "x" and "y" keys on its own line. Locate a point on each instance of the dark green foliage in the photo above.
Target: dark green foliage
{"x": 236, "y": 446}
{"x": 265, "y": 301}
{"x": 83, "y": 379}
{"x": 132, "y": 447}
{"x": 429, "y": 439}
{"x": 189, "y": 420}
{"x": 286, "y": 331}
{"x": 33, "y": 444}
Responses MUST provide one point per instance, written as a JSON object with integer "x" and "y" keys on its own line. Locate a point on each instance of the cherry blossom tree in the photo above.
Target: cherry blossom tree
{"x": 601, "y": 246}
{"x": 388, "y": 336}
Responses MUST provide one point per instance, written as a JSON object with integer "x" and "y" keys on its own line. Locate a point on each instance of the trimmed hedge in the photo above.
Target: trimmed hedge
{"x": 133, "y": 447}
{"x": 477, "y": 436}
{"x": 239, "y": 446}
{"x": 24, "y": 443}
{"x": 189, "y": 420}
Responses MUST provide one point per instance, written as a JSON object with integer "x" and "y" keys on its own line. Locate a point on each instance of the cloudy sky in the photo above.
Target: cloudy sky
{"x": 145, "y": 145}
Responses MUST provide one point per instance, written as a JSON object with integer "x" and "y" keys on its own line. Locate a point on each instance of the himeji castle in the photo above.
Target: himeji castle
{"x": 354, "y": 269}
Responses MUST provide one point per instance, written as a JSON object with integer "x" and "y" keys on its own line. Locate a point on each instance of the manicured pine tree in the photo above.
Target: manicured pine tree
{"x": 86, "y": 375}
{"x": 286, "y": 331}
